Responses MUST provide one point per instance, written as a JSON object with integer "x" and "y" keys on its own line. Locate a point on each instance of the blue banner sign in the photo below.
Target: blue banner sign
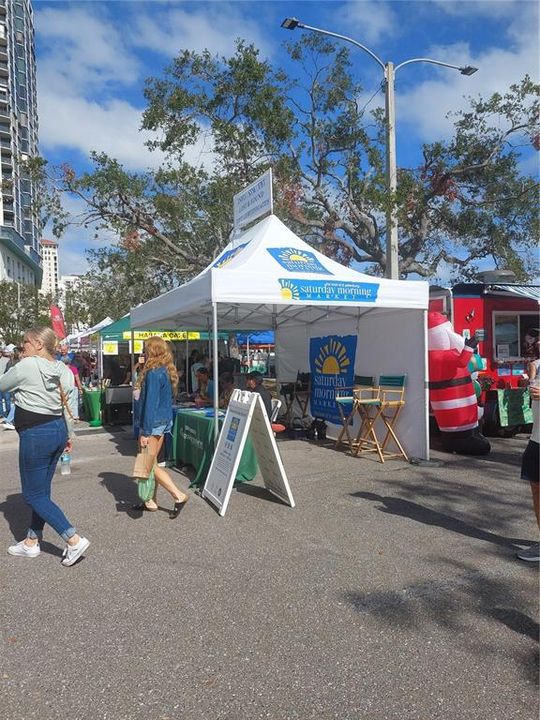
{"x": 228, "y": 256}
{"x": 296, "y": 261}
{"x": 331, "y": 361}
{"x": 328, "y": 290}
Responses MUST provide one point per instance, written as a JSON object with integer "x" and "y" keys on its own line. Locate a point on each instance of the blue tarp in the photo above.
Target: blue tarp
{"x": 266, "y": 337}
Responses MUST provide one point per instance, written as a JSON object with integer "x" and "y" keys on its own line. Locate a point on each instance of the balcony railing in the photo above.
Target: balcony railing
{"x": 8, "y": 233}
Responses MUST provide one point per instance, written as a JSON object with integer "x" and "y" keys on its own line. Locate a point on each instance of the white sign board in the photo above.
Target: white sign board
{"x": 254, "y": 201}
{"x": 246, "y": 412}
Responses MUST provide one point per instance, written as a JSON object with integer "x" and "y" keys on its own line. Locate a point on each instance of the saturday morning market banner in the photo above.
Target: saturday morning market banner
{"x": 331, "y": 361}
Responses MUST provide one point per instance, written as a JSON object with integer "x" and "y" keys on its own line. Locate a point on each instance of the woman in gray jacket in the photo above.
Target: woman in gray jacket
{"x": 41, "y": 387}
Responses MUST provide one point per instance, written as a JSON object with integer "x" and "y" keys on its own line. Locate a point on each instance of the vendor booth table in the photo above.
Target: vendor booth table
{"x": 92, "y": 401}
{"x": 506, "y": 410}
{"x": 117, "y": 409}
{"x": 193, "y": 444}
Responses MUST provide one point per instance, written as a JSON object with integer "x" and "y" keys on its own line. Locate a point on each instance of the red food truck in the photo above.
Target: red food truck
{"x": 504, "y": 316}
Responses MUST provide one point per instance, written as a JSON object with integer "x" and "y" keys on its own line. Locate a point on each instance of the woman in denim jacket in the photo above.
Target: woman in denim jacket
{"x": 157, "y": 381}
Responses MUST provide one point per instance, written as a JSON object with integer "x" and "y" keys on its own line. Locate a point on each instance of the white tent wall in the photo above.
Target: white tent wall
{"x": 390, "y": 342}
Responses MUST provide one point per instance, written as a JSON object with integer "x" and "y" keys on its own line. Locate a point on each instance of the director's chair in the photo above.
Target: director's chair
{"x": 345, "y": 398}
{"x": 386, "y": 407}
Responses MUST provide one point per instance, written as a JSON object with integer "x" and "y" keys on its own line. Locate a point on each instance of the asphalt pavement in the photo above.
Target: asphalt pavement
{"x": 390, "y": 592}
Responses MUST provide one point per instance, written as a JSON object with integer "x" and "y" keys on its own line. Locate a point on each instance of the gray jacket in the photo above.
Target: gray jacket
{"x": 35, "y": 383}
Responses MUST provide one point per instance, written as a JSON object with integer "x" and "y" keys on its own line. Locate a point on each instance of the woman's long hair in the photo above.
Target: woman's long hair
{"x": 158, "y": 354}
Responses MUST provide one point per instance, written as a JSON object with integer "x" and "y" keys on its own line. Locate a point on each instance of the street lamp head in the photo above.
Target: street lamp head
{"x": 468, "y": 70}
{"x": 290, "y": 23}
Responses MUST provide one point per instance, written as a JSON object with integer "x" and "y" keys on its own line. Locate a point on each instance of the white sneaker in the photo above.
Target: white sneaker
{"x": 21, "y": 549}
{"x": 9, "y": 426}
{"x": 531, "y": 554}
{"x": 73, "y": 552}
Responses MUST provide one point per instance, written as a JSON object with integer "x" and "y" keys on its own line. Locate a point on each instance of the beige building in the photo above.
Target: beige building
{"x": 50, "y": 281}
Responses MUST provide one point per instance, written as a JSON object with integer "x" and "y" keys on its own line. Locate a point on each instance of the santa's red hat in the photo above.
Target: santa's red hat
{"x": 435, "y": 318}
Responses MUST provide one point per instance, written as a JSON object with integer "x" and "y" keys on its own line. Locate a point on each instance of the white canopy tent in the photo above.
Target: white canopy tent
{"x": 89, "y": 331}
{"x": 270, "y": 278}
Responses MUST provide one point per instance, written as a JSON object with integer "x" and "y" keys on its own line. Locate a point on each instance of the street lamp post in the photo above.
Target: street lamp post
{"x": 392, "y": 252}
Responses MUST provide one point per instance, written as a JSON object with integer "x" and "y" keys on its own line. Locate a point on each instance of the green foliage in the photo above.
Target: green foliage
{"x": 21, "y": 306}
{"x": 469, "y": 200}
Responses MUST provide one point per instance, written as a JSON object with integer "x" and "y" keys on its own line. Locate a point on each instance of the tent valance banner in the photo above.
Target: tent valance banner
{"x": 166, "y": 335}
{"x": 331, "y": 361}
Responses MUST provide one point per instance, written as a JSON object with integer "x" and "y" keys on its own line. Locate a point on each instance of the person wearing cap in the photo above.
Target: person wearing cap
{"x": 254, "y": 383}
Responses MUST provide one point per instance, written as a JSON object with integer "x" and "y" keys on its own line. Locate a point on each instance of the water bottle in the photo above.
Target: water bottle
{"x": 65, "y": 464}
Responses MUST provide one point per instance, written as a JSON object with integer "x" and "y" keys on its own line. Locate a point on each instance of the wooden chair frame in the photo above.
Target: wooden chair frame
{"x": 351, "y": 395}
{"x": 386, "y": 406}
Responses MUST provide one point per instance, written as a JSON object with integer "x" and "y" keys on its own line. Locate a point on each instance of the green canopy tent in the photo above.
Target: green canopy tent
{"x": 121, "y": 331}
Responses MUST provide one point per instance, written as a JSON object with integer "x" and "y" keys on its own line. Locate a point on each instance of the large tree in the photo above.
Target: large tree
{"x": 469, "y": 199}
{"x": 21, "y": 306}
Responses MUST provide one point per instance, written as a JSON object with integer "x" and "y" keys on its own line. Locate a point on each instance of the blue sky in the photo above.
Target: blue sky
{"x": 93, "y": 58}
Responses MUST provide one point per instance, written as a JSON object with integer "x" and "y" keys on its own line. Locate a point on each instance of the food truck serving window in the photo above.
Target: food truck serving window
{"x": 514, "y": 335}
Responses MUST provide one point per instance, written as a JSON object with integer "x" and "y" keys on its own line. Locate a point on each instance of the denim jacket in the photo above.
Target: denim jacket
{"x": 155, "y": 402}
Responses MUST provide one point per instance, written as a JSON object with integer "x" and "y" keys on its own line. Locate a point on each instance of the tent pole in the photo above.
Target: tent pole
{"x": 100, "y": 359}
{"x": 132, "y": 357}
{"x": 187, "y": 363}
{"x": 216, "y": 371}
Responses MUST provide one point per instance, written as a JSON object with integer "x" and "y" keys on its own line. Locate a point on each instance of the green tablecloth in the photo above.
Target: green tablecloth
{"x": 92, "y": 401}
{"x": 514, "y": 406}
{"x": 193, "y": 444}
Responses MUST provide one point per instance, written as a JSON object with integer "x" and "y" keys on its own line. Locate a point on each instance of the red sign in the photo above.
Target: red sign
{"x": 57, "y": 320}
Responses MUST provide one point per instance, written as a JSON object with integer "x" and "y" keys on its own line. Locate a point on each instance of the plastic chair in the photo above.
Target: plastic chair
{"x": 276, "y": 405}
{"x": 345, "y": 398}
{"x": 276, "y": 427}
{"x": 386, "y": 406}
{"x": 296, "y": 393}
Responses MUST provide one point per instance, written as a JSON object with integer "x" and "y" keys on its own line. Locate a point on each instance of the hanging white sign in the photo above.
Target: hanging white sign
{"x": 254, "y": 201}
{"x": 245, "y": 413}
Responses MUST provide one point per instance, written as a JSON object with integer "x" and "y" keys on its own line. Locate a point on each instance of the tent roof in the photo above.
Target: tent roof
{"x": 90, "y": 331}
{"x": 269, "y": 276}
{"x": 116, "y": 328}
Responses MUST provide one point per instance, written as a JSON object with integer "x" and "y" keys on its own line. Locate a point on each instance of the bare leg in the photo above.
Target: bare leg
{"x": 162, "y": 477}
{"x": 535, "y": 488}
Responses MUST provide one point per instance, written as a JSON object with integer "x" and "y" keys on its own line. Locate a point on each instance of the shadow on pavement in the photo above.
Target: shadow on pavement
{"x": 258, "y": 492}
{"x": 456, "y": 603}
{"x": 427, "y": 516}
{"x": 18, "y": 514}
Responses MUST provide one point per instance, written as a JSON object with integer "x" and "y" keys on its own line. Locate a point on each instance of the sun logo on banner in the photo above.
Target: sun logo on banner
{"x": 332, "y": 359}
{"x": 289, "y": 290}
{"x": 298, "y": 261}
{"x": 292, "y": 255}
{"x": 226, "y": 258}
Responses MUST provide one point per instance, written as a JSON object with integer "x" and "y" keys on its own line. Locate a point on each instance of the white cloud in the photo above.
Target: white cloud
{"x": 216, "y": 27}
{"x": 369, "y": 20}
{"x": 425, "y": 106}
{"x": 85, "y": 125}
{"x": 84, "y": 50}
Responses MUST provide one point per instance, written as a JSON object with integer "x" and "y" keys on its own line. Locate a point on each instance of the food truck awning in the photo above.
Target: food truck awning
{"x": 529, "y": 291}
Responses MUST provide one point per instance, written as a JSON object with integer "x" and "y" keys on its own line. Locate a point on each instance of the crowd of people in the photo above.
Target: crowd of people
{"x": 39, "y": 385}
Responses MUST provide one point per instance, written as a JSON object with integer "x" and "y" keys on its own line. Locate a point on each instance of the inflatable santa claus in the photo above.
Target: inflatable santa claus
{"x": 451, "y": 392}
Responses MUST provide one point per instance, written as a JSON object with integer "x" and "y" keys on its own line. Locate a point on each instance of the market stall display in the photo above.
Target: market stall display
{"x": 193, "y": 444}
{"x": 92, "y": 401}
{"x": 329, "y": 320}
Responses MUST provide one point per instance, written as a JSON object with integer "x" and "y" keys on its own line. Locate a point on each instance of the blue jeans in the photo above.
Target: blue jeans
{"x": 5, "y": 403}
{"x": 40, "y": 448}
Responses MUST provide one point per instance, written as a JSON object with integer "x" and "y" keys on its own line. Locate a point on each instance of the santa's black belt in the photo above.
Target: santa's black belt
{"x": 454, "y": 382}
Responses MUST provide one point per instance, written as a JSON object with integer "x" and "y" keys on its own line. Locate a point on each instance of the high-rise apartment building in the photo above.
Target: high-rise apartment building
{"x": 49, "y": 253}
{"x": 20, "y": 259}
